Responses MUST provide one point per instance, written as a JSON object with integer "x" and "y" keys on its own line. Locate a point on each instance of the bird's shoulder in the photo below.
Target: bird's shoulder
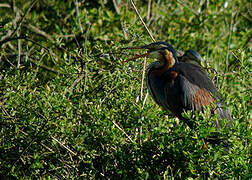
{"x": 196, "y": 76}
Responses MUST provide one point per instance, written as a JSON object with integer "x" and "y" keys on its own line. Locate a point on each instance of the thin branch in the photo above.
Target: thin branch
{"x": 111, "y": 90}
{"x": 76, "y": 82}
{"x": 66, "y": 36}
{"x": 38, "y": 31}
{"x": 69, "y": 15}
{"x": 188, "y": 7}
{"x": 78, "y": 15}
{"x": 19, "y": 50}
{"x": 42, "y": 144}
{"x": 15, "y": 21}
{"x": 124, "y": 32}
{"x": 143, "y": 76}
{"x": 18, "y": 21}
{"x": 35, "y": 62}
{"x": 134, "y": 6}
{"x": 85, "y": 51}
{"x": 117, "y": 8}
{"x": 74, "y": 153}
{"x": 228, "y": 44}
{"x": 28, "y": 39}
{"x": 145, "y": 99}
{"x": 148, "y": 10}
{"x": 5, "y": 5}
{"x": 43, "y": 66}
{"x": 123, "y": 131}
{"x": 229, "y": 40}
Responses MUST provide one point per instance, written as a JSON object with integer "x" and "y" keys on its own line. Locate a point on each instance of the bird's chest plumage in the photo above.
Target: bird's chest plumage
{"x": 172, "y": 85}
{"x": 164, "y": 88}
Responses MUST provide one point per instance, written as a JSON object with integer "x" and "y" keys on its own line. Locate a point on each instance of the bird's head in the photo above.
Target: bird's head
{"x": 192, "y": 56}
{"x": 162, "y": 51}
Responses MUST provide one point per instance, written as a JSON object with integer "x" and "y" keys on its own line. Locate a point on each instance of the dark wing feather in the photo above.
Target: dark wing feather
{"x": 196, "y": 83}
{"x": 197, "y": 76}
{"x": 194, "y": 97}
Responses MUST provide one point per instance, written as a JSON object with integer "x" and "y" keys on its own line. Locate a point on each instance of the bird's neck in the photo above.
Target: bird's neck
{"x": 165, "y": 64}
{"x": 157, "y": 68}
{"x": 168, "y": 59}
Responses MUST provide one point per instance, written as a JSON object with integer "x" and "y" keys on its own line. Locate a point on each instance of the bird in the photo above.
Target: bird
{"x": 177, "y": 83}
{"x": 190, "y": 56}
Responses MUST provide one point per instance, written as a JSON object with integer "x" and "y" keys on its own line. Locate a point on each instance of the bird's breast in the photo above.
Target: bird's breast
{"x": 163, "y": 87}
{"x": 171, "y": 75}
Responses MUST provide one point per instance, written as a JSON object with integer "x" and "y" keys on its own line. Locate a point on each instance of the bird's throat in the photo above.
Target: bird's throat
{"x": 167, "y": 61}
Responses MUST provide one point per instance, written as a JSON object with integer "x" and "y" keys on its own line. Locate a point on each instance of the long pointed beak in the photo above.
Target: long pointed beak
{"x": 137, "y": 47}
{"x": 138, "y": 56}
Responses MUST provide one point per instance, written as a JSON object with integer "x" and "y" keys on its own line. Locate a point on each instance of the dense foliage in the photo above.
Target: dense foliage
{"x": 70, "y": 107}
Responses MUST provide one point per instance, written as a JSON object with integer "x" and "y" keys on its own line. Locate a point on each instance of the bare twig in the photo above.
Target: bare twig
{"x": 140, "y": 134}
{"x": 134, "y": 6}
{"x": 124, "y": 32}
{"x": 18, "y": 21}
{"x": 42, "y": 144}
{"x": 5, "y": 5}
{"x": 86, "y": 53}
{"x": 8, "y": 60}
{"x": 28, "y": 39}
{"x": 229, "y": 39}
{"x": 46, "y": 147}
{"x": 74, "y": 153}
{"x": 19, "y": 50}
{"x": 111, "y": 90}
{"x": 117, "y": 8}
{"x": 228, "y": 44}
{"x": 43, "y": 66}
{"x": 142, "y": 83}
{"x": 122, "y": 131}
{"x": 13, "y": 48}
{"x": 148, "y": 10}
{"x": 66, "y": 35}
{"x": 75, "y": 82}
{"x": 78, "y": 15}
{"x": 236, "y": 56}
{"x": 219, "y": 60}
{"x": 145, "y": 99}
{"x": 143, "y": 76}
{"x": 69, "y": 15}
{"x": 39, "y": 31}
{"x": 188, "y": 7}
{"x": 15, "y": 22}
{"x": 35, "y": 62}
